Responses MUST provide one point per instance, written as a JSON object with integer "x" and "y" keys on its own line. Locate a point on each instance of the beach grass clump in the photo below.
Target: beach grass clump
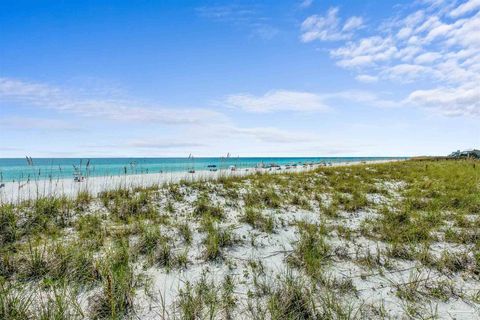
{"x": 72, "y": 263}
{"x": 57, "y": 208}
{"x": 46, "y": 215}
{"x": 158, "y": 249}
{"x": 164, "y": 256}
{"x": 401, "y": 251}
{"x": 300, "y": 201}
{"x": 257, "y": 220}
{"x": 15, "y": 301}
{"x": 91, "y": 230}
{"x": 372, "y": 259}
{"x": 185, "y": 231}
{"x": 199, "y": 300}
{"x": 292, "y": 299}
{"x": 125, "y": 204}
{"x": 59, "y": 303}
{"x": 83, "y": 200}
{"x": 331, "y": 209}
{"x": 33, "y": 265}
{"x": 264, "y": 197}
{"x": 206, "y": 299}
{"x": 55, "y": 262}
{"x": 9, "y": 231}
{"x": 216, "y": 240}
{"x": 311, "y": 252}
{"x": 205, "y": 208}
{"x": 455, "y": 262}
{"x": 411, "y": 290}
{"x": 229, "y": 302}
{"x": 8, "y": 263}
{"x": 351, "y": 202}
{"x": 174, "y": 192}
{"x": 115, "y": 300}
{"x": 149, "y": 240}
{"x": 400, "y": 227}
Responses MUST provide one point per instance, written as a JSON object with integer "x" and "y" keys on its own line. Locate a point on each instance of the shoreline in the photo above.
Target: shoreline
{"x": 13, "y": 192}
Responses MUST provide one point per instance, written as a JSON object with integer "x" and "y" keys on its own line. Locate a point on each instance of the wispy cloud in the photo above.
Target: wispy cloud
{"x": 306, "y": 3}
{"x": 466, "y": 7}
{"x": 301, "y": 102}
{"x": 67, "y": 101}
{"x": 329, "y": 27}
{"x": 162, "y": 144}
{"x": 187, "y": 126}
{"x": 271, "y": 134}
{"x": 278, "y": 100}
{"x": 366, "y": 78}
{"x": 148, "y": 143}
{"x": 463, "y": 100}
{"x": 242, "y": 16}
{"x": 30, "y": 123}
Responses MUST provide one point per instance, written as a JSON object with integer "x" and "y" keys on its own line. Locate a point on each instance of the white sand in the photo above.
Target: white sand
{"x": 18, "y": 191}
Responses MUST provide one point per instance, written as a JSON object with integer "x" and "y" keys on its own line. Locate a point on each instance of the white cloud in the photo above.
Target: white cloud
{"x": 212, "y": 129}
{"x": 366, "y": 78}
{"x": 436, "y": 46}
{"x": 457, "y": 101}
{"x": 365, "y": 52}
{"x": 161, "y": 144}
{"x": 329, "y": 27}
{"x": 306, "y": 3}
{"x": 277, "y": 100}
{"x": 29, "y": 123}
{"x": 352, "y": 24}
{"x": 242, "y": 16}
{"x": 406, "y": 72}
{"x": 271, "y": 134}
{"x": 364, "y": 97}
{"x": 427, "y": 57}
{"x": 65, "y": 101}
{"x": 466, "y": 7}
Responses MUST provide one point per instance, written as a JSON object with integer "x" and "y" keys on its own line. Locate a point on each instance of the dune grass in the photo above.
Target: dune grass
{"x": 54, "y": 250}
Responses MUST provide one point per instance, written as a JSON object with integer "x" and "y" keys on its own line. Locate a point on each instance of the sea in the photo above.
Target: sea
{"x": 23, "y": 169}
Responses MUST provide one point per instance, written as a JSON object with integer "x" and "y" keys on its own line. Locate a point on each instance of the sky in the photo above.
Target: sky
{"x": 249, "y": 78}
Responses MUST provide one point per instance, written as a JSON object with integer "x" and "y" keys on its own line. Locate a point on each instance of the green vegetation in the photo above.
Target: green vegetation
{"x": 216, "y": 240}
{"x": 257, "y": 220}
{"x": 312, "y": 251}
{"x": 417, "y": 219}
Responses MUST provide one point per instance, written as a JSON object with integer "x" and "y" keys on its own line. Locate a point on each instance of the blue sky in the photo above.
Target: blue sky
{"x": 252, "y": 78}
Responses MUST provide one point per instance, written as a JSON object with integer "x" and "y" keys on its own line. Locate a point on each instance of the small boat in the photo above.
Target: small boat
{"x": 232, "y": 168}
{"x": 191, "y": 171}
{"x": 2, "y": 185}
{"x": 212, "y": 167}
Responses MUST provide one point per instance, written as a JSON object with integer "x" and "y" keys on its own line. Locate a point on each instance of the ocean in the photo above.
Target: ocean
{"x": 19, "y": 169}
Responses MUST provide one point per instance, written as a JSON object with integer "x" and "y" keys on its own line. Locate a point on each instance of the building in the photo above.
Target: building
{"x": 474, "y": 153}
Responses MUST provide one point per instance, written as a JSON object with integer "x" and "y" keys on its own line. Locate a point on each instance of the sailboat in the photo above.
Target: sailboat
{"x": 192, "y": 170}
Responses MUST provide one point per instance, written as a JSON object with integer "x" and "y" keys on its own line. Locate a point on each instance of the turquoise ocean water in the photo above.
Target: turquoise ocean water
{"x": 59, "y": 168}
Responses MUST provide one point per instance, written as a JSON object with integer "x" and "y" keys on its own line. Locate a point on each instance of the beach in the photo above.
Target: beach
{"x": 350, "y": 240}
{"x": 32, "y": 189}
